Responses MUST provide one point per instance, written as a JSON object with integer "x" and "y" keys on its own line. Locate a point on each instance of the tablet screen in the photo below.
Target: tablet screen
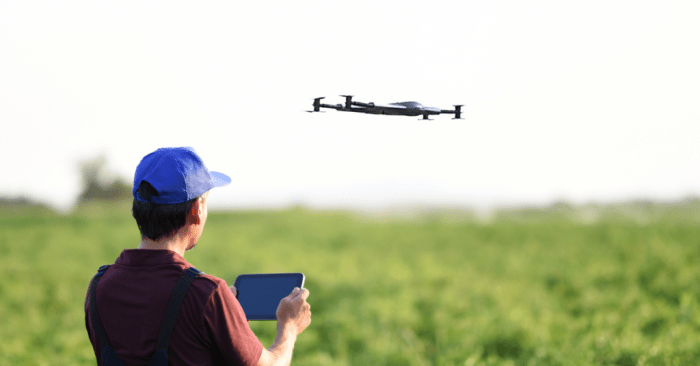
{"x": 260, "y": 294}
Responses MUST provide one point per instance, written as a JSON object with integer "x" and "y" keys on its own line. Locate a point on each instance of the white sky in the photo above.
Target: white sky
{"x": 574, "y": 100}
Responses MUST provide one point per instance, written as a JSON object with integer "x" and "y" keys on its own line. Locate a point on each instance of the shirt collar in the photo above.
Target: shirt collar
{"x": 150, "y": 257}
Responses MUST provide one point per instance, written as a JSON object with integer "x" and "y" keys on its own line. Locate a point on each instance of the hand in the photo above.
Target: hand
{"x": 294, "y": 312}
{"x": 235, "y": 292}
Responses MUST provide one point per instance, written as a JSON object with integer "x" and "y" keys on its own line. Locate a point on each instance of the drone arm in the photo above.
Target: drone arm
{"x": 457, "y": 111}
{"x": 318, "y": 105}
{"x": 333, "y": 106}
{"x": 366, "y": 105}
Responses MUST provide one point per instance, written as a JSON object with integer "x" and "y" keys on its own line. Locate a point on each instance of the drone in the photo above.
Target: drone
{"x": 400, "y": 109}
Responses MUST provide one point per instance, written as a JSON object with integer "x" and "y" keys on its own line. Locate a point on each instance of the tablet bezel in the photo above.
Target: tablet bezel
{"x": 299, "y": 283}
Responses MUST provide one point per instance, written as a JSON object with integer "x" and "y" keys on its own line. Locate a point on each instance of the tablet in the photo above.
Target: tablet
{"x": 260, "y": 294}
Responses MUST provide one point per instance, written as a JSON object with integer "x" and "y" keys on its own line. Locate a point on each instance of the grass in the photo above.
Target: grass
{"x": 526, "y": 288}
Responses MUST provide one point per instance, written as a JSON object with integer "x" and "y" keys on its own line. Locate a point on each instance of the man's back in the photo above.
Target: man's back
{"x": 132, "y": 295}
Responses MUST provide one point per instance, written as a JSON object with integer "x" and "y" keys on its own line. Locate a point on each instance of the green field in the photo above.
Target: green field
{"x": 526, "y": 288}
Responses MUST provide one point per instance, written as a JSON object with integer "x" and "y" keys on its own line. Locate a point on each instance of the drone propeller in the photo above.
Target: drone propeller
{"x": 458, "y": 111}
{"x": 348, "y": 101}
{"x": 317, "y": 104}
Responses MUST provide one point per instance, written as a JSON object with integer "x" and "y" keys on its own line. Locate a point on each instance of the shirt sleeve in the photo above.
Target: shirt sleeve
{"x": 226, "y": 322}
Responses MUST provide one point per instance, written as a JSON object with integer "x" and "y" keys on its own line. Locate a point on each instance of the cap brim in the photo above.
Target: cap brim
{"x": 220, "y": 179}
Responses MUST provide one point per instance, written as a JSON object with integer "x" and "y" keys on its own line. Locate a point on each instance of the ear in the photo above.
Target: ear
{"x": 196, "y": 210}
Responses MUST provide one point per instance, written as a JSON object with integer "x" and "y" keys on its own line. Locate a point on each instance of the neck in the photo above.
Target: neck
{"x": 176, "y": 242}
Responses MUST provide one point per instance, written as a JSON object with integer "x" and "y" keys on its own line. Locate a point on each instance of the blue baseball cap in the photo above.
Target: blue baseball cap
{"x": 178, "y": 174}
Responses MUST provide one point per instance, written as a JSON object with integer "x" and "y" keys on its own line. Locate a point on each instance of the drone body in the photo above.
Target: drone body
{"x": 400, "y": 109}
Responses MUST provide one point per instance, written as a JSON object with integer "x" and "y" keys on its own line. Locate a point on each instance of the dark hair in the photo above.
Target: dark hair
{"x": 156, "y": 221}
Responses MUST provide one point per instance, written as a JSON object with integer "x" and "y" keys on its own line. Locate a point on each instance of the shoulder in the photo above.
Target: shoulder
{"x": 210, "y": 279}
{"x": 205, "y": 285}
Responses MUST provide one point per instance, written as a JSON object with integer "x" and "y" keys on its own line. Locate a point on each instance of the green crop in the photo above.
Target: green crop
{"x": 433, "y": 290}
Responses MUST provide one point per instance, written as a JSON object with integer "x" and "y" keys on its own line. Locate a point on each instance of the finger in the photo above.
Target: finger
{"x": 304, "y": 293}
{"x": 234, "y": 291}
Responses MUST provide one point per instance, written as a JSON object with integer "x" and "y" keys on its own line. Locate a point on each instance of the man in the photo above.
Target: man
{"x": 171, "y": 188}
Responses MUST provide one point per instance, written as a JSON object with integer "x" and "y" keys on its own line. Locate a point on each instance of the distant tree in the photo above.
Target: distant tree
{"x": 15, "y": 201}
{"x": 19, "y": 201}
{"x": 99, "y": 184}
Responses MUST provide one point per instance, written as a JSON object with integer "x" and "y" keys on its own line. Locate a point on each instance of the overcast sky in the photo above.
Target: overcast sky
{"x": 574, "y": 100}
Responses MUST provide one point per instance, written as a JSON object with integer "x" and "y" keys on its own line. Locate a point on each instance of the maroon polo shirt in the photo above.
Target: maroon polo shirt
{"x": 211, "y": 328}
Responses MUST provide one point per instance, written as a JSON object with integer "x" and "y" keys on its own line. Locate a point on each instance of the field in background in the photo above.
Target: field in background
{"x": 563, "y": 286}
